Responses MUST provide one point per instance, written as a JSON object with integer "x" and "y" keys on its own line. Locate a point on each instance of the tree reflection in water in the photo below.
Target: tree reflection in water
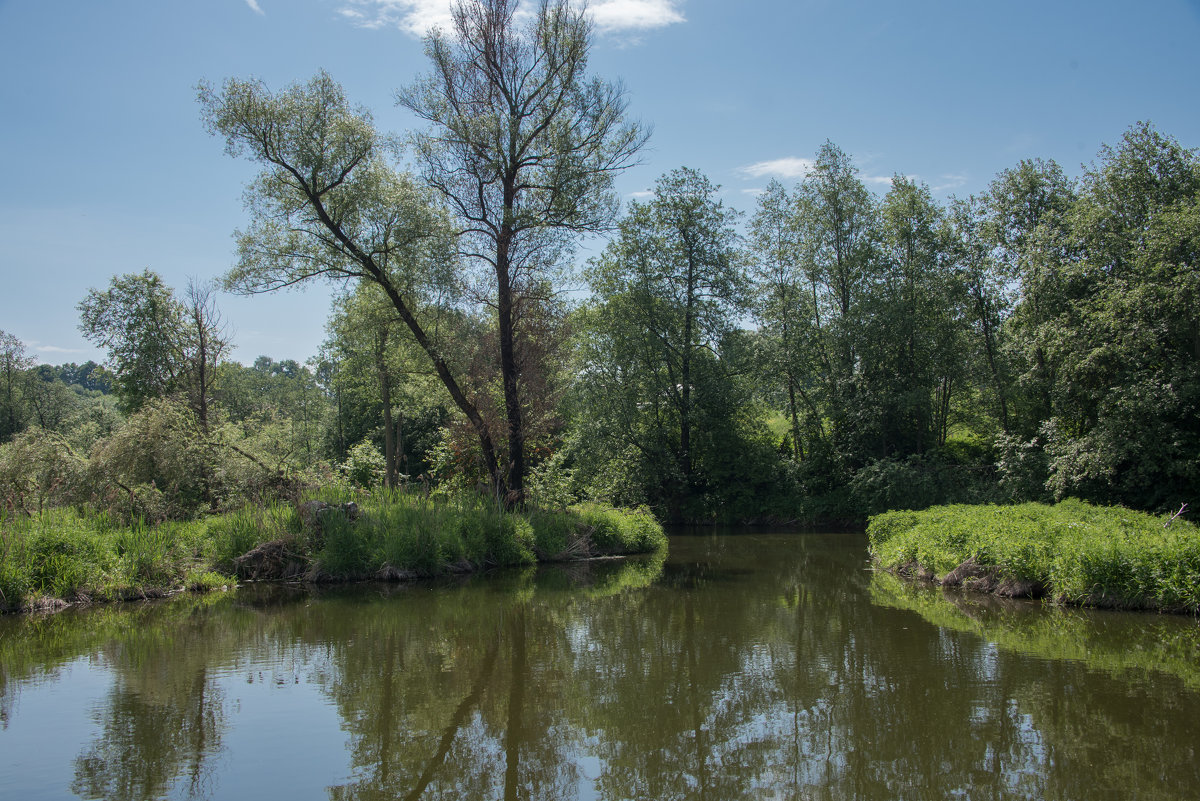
{"x": 747, "y": 666}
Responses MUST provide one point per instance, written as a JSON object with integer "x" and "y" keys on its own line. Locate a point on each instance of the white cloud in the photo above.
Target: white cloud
{"x": 789, "y": 167}
{"x": 753, "y": 192}
{"x": 642, "y": 195}
{"x": 418, "y": 17}
{"x": 634, "y": 15}
{"x": 254, "y": 7}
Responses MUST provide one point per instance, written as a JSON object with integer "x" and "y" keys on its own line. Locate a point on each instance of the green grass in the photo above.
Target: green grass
{"x": 1083, "y": 554}
{"x": 71, "y": 555}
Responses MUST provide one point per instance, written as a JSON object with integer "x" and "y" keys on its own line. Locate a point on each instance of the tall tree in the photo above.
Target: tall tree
{"x": 913, "y": 330}
{"x": 328, "y": 205}
{"x": 1126, "y": 339}
{"x": 837, "y": 223}
{"x": 381, "y": 372}
{"x": 203, "y": 342}
{"x": 1027, "y": 211}
{"x": 524, "y": 146}
{"x": 785, "y": 309}
{"x": 988, "y": 287}
{"x": 668, "y": 290}
{"x": 14, "y": 367}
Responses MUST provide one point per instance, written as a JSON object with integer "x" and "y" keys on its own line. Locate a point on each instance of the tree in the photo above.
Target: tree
{"x": 203, "y": 341}
{"x": 837, "y": 222}
{"x": 14, "y": 366}
{"x": 668, "y": 290}
{"x": 989, "y": 295}
{"x": 327, "y": 205}
{"x": 1027, "y": 210}
{"x": 783, "y": 308}
{"x": 912, "y": 350}
{"x": 157, "y": 345}
{"x": 140, "y": 323}
{"x": 523, "y": 147}
{"x": 1126, "y": 337}
{"x": 381, "y": 374}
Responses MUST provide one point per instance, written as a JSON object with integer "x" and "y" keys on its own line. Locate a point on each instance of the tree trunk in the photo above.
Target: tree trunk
{"x": 509, "y": 372}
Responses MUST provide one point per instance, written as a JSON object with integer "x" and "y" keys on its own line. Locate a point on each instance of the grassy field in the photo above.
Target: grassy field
{"x": 66, "y": 555}
{"x": 1071, "y": 552}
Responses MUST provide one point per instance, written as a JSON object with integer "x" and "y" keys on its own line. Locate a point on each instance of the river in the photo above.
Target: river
{"x": 745, "y": 665}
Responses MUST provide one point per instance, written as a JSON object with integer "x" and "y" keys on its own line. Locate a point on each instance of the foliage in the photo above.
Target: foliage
{"x": 38, "y": 470}
{"x": 667, "y": 291}
{"x": 1083, "y": 554}
{"x": 364, "y": 466}
{"x": 157, "y": 344}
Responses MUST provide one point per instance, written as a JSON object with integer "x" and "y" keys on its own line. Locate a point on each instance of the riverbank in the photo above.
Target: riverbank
{"x": 67, "y": 556}
{"x": 1070, "y": 552}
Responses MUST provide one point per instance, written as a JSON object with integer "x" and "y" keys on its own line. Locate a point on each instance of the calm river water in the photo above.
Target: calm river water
{"x": 745, "y": 666}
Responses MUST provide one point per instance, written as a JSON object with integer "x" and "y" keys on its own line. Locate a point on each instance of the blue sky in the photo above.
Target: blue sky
{"x": 107, "y": 168}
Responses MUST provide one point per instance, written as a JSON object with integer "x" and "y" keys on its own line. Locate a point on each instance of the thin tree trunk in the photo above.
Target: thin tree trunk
{"x": 515, "y": 495}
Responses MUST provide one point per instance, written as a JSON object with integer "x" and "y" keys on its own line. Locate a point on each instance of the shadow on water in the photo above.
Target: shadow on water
{"x": 749, "y": 665}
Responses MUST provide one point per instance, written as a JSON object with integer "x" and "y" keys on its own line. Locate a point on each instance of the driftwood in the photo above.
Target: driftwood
{"x": 1182, "y": 509}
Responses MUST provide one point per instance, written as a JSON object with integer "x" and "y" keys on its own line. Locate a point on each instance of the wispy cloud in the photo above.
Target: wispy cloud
{"x": 789, "y": 167}
{"x": 53, "y": 350}
{"x": 255, "y": 7}
{"x": 642, "y": 195}
{"x": 753, "y": 192}
{"x": 879, "y": 180}
{"x": 950, "y": 181}
{"x": 418, "y": 17}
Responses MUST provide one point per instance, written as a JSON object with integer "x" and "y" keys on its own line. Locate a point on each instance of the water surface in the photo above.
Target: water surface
{"x": 744, "y": 666}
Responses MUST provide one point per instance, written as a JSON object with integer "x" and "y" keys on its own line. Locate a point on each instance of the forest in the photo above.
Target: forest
{"x": 828, "y": 354}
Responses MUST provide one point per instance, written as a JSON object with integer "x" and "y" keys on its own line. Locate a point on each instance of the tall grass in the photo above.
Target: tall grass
{"x": 73, "y": 555}
{"x": 1083, "y": 554}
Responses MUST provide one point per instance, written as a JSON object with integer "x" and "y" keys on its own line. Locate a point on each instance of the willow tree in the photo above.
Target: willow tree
{"x": 523, "y": 146}
{"x": 328, "y": 205}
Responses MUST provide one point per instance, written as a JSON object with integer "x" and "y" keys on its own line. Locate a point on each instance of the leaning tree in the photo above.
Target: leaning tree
{"x": 522, "y": 150}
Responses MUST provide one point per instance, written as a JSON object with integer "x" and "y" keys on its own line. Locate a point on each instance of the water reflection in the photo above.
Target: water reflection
{"x": 768, "y": 666}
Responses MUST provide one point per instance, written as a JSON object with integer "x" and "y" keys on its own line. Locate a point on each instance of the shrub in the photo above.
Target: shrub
{"x": 364, "y": 466}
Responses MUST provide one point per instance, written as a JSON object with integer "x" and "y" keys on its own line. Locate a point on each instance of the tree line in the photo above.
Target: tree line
{"x": 833, "y": 354}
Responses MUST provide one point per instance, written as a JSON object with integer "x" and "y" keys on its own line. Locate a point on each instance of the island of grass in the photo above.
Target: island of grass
{"x": 66, "y": 555}
{"x": 1070, "y": 552}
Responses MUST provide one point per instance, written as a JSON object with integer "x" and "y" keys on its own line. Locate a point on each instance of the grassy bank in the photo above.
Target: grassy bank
{"x": 1072, "y": 552}
{"x": 65, "y": 555}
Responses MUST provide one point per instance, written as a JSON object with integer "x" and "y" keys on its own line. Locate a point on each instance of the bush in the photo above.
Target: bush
{"x": 364, "y": 466}
{"x": 38, "y": 470}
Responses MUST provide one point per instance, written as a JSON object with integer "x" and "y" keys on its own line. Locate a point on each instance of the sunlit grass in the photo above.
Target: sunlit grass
{"x": 71, "y": 555}
{"x": 1083, "y": 554}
